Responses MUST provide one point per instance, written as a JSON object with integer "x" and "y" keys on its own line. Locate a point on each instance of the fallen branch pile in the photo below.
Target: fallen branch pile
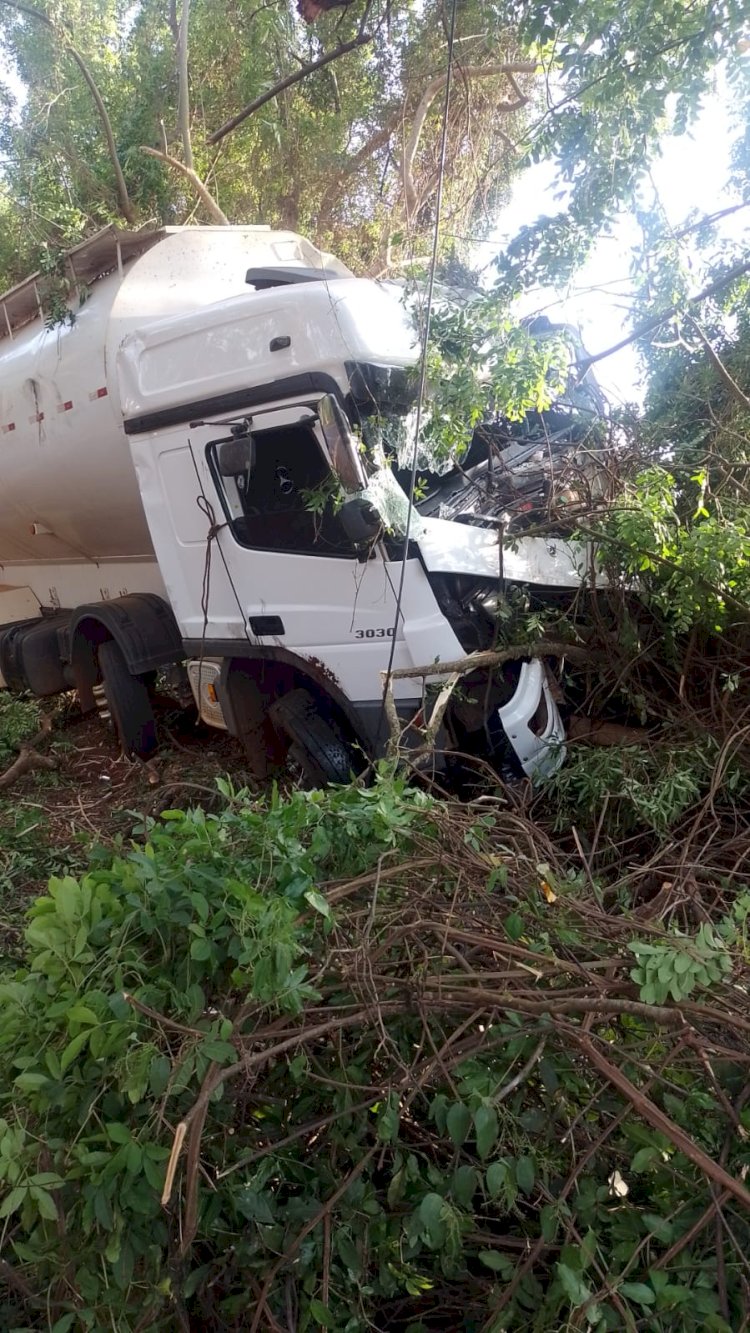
{"x": 364, "y": 1060}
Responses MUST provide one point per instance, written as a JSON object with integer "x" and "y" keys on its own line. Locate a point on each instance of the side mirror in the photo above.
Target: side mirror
{"x": 360, "y": 521}
{"x": 236, "y": 457}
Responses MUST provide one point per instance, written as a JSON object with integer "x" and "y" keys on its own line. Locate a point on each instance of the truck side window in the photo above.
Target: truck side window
{"x": 285, "y": 503}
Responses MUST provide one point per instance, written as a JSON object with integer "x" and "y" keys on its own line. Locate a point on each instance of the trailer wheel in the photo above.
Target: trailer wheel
{"x": 318, "y": 746}
{"x": 124, "y": 704}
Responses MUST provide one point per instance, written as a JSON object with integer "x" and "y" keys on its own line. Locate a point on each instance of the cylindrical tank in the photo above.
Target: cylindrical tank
{"x": 68, "y": 489}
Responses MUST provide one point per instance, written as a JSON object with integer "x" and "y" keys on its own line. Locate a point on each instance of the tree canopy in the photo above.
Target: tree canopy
{"x": 163, "y": 111}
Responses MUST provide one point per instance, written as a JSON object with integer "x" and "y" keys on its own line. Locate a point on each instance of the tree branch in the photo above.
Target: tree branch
{"x": 508, "y": 68}
{"x": 661, "y": 1122}
{"x": 28, "y": 757}
{"x": 217, "y": 214}
{"x": 126, "y": 207}
{"x": 361, "y": 39}
{"x": 711, "y": 218}
{"x": 183, "y": 104}
{"x": 719, "y": 366}
{"x": 655, "y": 321}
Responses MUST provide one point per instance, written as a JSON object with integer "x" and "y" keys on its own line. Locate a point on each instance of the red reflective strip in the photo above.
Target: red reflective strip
{"x": 39, "y": 416}
{"x": 65, "y": 407}
{"x": 98, "y": 393}
{"x": 10, "y": 426}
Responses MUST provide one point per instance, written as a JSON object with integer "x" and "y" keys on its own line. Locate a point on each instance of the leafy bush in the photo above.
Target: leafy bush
{"x": 632, "y": 786}
{"x": 693, "y": 567}
{"x": 354, "y": 1002}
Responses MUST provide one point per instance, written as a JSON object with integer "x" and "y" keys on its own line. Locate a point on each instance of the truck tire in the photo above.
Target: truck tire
{"x": 125, "y": 704}
{"x": 318, "y": 746}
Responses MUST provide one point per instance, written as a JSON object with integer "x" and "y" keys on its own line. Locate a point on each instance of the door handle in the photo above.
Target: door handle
{"x": 261, "y": 625}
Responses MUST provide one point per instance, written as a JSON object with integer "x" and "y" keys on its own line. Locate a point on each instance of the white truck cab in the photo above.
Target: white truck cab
{"x": 188, "y": 474}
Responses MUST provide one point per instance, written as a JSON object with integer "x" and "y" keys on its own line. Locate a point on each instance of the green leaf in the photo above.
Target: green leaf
{"x": 495, "y": 1177}
{"x": 348, "y": 1253}
{"x": 486, "y": 1126}
{"x": 458, "y": 1123}
{"x": 525, "y": 1174}
{"x": 220, "y": 1051}
{"x": 73, "y": 1049}
{"x": 643, "y": 1159}
{"x": 388, "y": 1120}
{"x": 491, "y": 1259}
{"x": 431, "y": 1217}
{"x": 548, "y": 1074}
{"x": 321, "y": 1314}
{"x": 514, "y": 926}
{"x": 659, "y": 1227}
{"x": 118, "y": 1133}
{"x": 103, "y": 1211}
{"x": 318, "y": 903}
{"x": 464, "y": 1185}
{"x": 200, "y": 950}
{"x": 439, "y": 1111}
{"x": 576, "y": 1290}
{"x": 637, "y": 1291}
{"x": 13, "y": 1201}
{"x": 67, "y": 897}
{"x": 133, "y": 1158}
{"x": 30, "y": 1082}
{"x": 396, "y": 1187}
{"x": 158, "y": 1074}
{"x": 64, "y": 1324}
{"x": 44, "y": 1202}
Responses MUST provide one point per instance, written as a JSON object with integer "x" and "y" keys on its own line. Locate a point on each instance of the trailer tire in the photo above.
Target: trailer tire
{"x": 319, "y": 747}
{"x": 127, "y": 702}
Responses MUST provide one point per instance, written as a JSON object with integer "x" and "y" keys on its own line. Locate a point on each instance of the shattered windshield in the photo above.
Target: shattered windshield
{"x": 387, "y": 496}
{"x": 391, "y": 435}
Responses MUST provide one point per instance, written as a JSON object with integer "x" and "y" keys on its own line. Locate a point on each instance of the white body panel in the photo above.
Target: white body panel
{"x": 451, "y": 548}
{"x": 225, "y": 348}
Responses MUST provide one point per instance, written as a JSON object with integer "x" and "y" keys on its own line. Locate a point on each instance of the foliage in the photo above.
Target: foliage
{"x": 317, "y": 157}
{"x": 619, "y": 78}
{"x": 639, "y": 786}
{"x": 693, "y": 568}
{"x": 27, "y": 856}
{"x": 326, "y": 156}
{"x": 279, "y": 956}
{"x": 19, "y": 720}
{"x": 483, "y": 364}
{"x": 675, "y": 969}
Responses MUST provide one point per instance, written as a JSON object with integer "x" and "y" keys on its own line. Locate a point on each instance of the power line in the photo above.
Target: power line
{"x": 423, "y": 369}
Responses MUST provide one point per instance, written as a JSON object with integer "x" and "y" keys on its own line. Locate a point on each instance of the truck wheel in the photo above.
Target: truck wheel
{"x": 123, "y": 702}
{"x": 318, "y": 744}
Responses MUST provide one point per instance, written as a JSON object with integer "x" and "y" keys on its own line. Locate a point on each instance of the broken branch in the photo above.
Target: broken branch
{"x": 29, "y": 758}
{"x": 645, "y": 1107}
{"x": 360, "y": 40}
{"x": 201, "y": 190}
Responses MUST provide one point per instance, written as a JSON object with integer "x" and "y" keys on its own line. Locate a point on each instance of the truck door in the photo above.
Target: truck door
{"x": 298, "y": 576}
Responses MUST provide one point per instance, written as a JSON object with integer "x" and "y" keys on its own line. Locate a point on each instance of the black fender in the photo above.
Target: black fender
{"x": 143, "y": 626}
{"x": 251, "y": 681}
